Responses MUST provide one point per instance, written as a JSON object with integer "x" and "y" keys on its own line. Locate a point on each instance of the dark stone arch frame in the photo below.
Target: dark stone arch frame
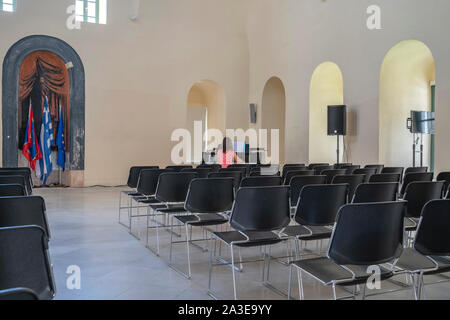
{"x": 10, "y": 96}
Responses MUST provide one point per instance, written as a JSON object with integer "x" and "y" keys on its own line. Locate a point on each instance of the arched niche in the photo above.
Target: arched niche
{"x": 273, "y": 115}
{"x": 406, "y": 73}
{"x": 206, "y": 103}
{"x": 327, "y": 88}
{"x": 10, "y": 100}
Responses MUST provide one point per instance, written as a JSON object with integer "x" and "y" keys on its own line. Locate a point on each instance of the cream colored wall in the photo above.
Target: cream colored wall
{"x": 138, "y": 74}
{"x": 405, "y": 79}
{"x": 327, "y": 88}
{"x": 273, "y": 115}
{"x": 290, "y": 38}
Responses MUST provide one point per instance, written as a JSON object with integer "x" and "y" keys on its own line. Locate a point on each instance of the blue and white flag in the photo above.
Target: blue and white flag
{"x": 45, "y": 167}
{"x": 60, "y": 141}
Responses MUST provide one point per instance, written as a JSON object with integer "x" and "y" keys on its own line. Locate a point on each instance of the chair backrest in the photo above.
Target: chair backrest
{"x": 287, "y": 179}
{"x": 378, "y": 167}
{"x": 173, "y": 187}
{"x": 261, "y": 181}
{"x": 416, "y": 170}
{"x": 342, "y": 165}
{"x": 24, "y": 260}
{"x": 242, "y": 170}
{"x": 416, "y": 176}
{"x": 293, "y": 165}
{"x": 444, "y": 176}
{"x": 419, "y": 193}
{"x": 213, "y": 167}
{"x": 352, "y": 180}
{"x": 261, "y": 209}
{"x": 214, "y": 195}
{"x": 298, "y": 182}
{"x": 179, "y": 168}
{"x": 286, "y": 170}
{"x": 18, "y": 294}
{"x": 148, "y": 181}
{"x": 376, "y": 192}
{"x": 319, "y": 169}
{"x": 236, "y": 175}
{"x": 367, "y": 172}
{"x": 350, "y": 169}
{"x": 319, "y": 204}
{"x": 368, "y": 233}
{"x": 18, "y": 178}
{"x": 398, "y": 170}
{"x": 133, "y": 176}
{"x": 19, "y": 172}
{"x": 332, "y": 173}
{"x": 24, "y": 211}
{"x": 432, "y": 237}
{"x": 312, "y": 166}
{"x": 264, "y": 173}
{"x": 202, "y": 172}
{"x": 12, "y": 190}
{"x": 240, "y": 166}
{"x": 385, "y": 177}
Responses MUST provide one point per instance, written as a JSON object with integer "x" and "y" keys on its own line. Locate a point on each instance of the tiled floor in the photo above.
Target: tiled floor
{"x": 115, "y": 265}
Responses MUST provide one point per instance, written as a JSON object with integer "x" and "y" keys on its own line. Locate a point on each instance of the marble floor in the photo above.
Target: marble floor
{"x": 115, "y": 265}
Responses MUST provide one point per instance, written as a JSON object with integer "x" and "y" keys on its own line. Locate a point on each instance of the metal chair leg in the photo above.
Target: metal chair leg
{"x": 233, "y": 271}
{"x": 300, "y": 284}
{"x": 290, "y": 282}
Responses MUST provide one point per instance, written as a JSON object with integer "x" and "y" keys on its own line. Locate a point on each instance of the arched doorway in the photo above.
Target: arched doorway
{"x": 327, "y": 88}
{"x": 274, "y": 115}
{"x": 205, "y": 103}
{"x": 405, "y": 84}
{"x": 75, "y": 138}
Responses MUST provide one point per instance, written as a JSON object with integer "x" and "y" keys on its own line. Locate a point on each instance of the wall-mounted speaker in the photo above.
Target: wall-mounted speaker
{"x": 337, "y": 120}
{"x": 252, "y": 113}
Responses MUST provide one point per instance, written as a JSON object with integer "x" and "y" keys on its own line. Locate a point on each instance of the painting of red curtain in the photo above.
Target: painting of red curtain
{"x": 43, "y": 74}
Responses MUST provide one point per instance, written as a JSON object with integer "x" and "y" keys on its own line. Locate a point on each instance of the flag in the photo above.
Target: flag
{"x": 60, "y": 141}
{"x": 45, "y": 163}
{"x": 31, "y": 149}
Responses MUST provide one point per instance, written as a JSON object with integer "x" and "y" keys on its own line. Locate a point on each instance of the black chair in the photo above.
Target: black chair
{"x": 242, "y": 170}
{"x": 316, "y": 212}
{"x": 16, "y": 179}
{"x": 26, "y": 172}
{"x": 375, "y": 192}
{"x": 351, "y": 169}
{"x": 24, "y": 211}
{"x": 416, "y": 170}
{"x": 207, "y": 204}
{"x": 18, "y": 294}
{"x": 286, "y": 170}
{"x": 258, "y": 216}
{"x": 202, "y": 172}
{"x": 352, "y": 180}
{"x": 418, "y": 194}
{"x": 12, "y": 190}
{"x": 342, "y": 165}
{"x": 287, "y": 179}
{"x": 431, "y": 247}
{"x": 264, "y": 171}
{"x": 213, "y": 167}
{"x": 133, "y": 179}
{"x": 319, "y": 169}
{"x": 260, "y": 182}
{"x": 444, "y": 176}
{"x": 385, "y": 177}
{"x": 298, "y": 182}
{"x": 236, "y": 175}
{"x": 398, "y": 170}
{"x": 332, "y": 173}
{"x": 25, "y": 262}
{"x": 240, "y": 166}
{"x": 179, "y": 168}
{"x": 360, "y": 239}
{"x": 413, "y": 177}
{"x": 378, "y": 167}
{"x": 293, "y": 165}
{"x": 170, "y": 194}
{"x": 313, "y": 166}
{"x": 367, "y": 172}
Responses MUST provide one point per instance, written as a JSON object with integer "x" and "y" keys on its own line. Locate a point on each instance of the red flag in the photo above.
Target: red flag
{"x": 30, "y": 148}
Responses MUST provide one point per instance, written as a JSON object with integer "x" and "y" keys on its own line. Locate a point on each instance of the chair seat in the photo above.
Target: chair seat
{"x": 327, "y": 271}
{"x": 413, "y": 261}
{"x": 256, "y": 238}
{"x": 206, "y": 219}
{"x": 172, "y": 210}
{"x": 443, "y": 265}
{"x": 303, "y": 233}
{"x": 148, "y": 201}
{"x": 134, "y": 194}
{"x": 411, "y": 224}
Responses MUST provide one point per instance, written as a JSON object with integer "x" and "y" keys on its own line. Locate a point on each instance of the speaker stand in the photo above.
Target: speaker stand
{"x": 337, "y": 150}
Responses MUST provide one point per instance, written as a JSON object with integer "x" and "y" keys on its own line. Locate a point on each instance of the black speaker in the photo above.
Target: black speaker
{"x": 337, "y": 120}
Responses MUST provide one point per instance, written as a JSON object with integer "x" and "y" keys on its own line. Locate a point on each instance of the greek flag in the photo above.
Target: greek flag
{"x": 44, "y": 168}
